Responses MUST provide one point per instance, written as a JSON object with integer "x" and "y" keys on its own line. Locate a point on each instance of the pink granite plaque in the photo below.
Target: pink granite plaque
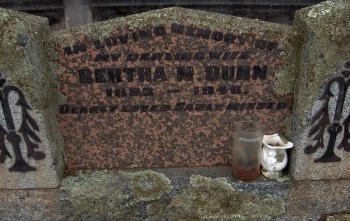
{"x": 165, "y": 95}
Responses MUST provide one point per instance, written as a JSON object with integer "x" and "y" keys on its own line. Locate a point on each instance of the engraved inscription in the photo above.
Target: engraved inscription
{"x": 115, "y": 70}
{"x": 332, "y": 119}
{"x": 166, "y": 95}
{"x": 68, "y": 109}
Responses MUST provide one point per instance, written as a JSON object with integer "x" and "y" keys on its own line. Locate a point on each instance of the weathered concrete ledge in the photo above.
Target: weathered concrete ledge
{"x": 178, "y": 194}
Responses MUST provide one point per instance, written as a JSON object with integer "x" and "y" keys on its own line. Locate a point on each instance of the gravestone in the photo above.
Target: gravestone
{"x": 165, "y": 88}
{"x": 30, "y": 144}
{"x": 321, "y": 111}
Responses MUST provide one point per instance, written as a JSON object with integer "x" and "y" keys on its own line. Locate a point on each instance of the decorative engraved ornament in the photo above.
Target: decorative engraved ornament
{"x": 330, "y": 124}
{"x": 15, "y": 107}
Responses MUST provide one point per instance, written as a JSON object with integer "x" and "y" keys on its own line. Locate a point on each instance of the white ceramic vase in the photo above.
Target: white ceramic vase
{"x": 274, "y": 155}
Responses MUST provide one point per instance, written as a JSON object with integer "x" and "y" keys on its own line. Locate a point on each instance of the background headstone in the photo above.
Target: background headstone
{"x": 165, "y": 88}
{"x": 30, "y": 143}
{"x": 322, "y": 109}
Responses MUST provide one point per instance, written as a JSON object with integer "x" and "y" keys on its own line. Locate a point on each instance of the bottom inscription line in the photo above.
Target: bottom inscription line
{"x": 74, "y": 109}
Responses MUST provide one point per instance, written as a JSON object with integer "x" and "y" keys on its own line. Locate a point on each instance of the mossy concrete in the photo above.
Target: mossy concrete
{"x": 216, "y": 199}
{"x": 149, "y": 185}
{"x": 338, "y": 217}
{"x": 322, "y": 47}
{"x": 149, "y": 195}
{"x": 110, "y": 196}
{"x": 177, "y": 194}
{"x": 27, "y": 56}
{"x": 26, "y": 61}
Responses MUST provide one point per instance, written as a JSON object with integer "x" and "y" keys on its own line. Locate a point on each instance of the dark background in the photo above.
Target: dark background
{"x": 88, "y": 11}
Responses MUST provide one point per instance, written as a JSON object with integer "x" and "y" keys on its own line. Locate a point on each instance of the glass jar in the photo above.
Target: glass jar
{"x": 246, "y": 153}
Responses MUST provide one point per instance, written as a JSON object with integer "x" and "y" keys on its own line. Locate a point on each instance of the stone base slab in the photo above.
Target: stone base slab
{"x": 164, "y": 193}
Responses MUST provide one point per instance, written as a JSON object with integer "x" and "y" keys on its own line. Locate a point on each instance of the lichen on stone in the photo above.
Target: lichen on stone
{"x": 284, "y": 82}
{"x": 209, "y": 198}
{"x": 216, "y": 199}
{"x": 25, "y": 62}
{"x": 149, "y": 185}
{"x": 96, "y": 196}
{"x": 148, "y": 195}
{"x": 339, "y": 217}
{"x": 320, "y": 50}
{"x": 108, "y": 195}
{"x": 319, "y": 10}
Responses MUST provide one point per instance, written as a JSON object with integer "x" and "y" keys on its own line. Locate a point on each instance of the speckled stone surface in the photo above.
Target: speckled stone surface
{"x": 31, "y": 145}
{"x": 323, "y": 59}
{"x": 165, "y": 88}
{"x": 178, "y": 194}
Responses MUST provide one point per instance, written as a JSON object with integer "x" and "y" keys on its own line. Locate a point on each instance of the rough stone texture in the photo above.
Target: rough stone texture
{"x": 323, "y": 50}
{"x": 25, "y": 64}
{"x": 187, "y": 125}
{"x": 338, "y": 217}
{"x": 30, "y": 205}
{"x": 177, "y": 194}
